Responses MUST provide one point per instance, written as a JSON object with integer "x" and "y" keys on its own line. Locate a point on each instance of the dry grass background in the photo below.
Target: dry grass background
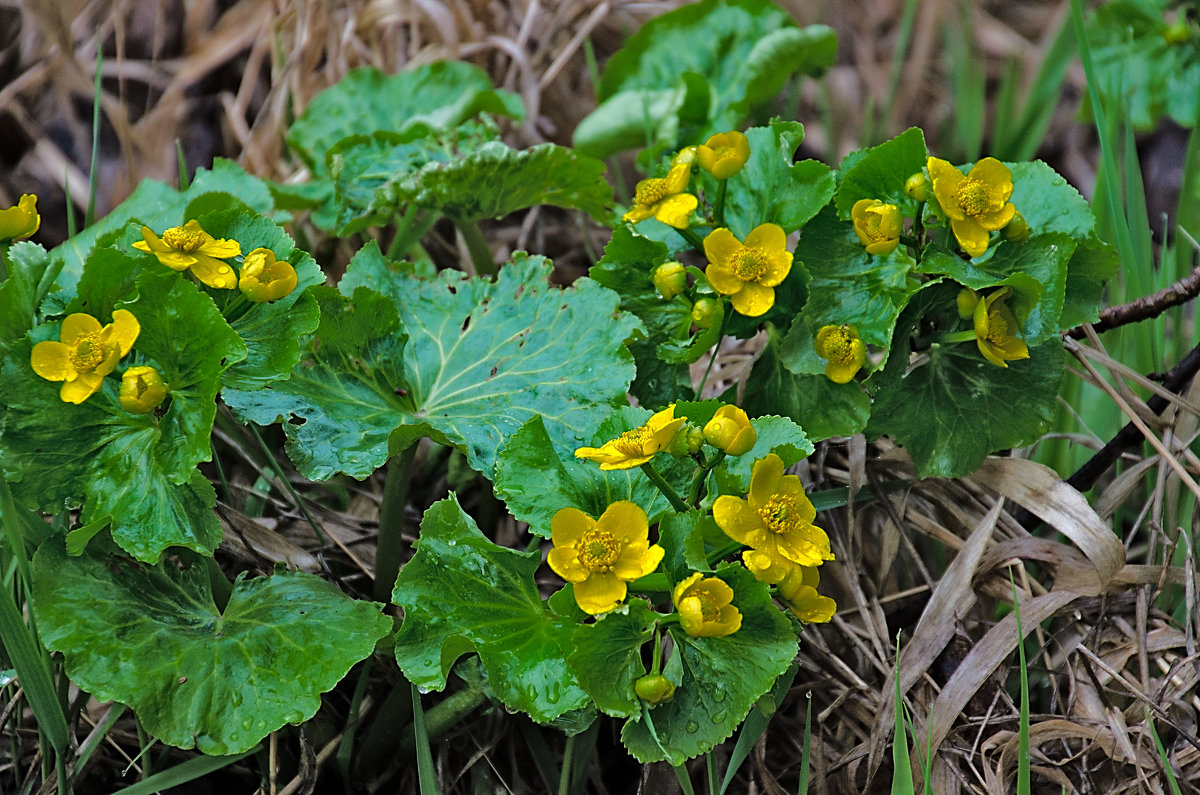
{"x": 928, "y": 563}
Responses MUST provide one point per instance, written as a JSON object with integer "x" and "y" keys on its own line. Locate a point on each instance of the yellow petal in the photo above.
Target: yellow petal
{"x": 676, "y": 211}
{"x": 768, "y": 237}
{"x": 677, "y": 178}
{"x": 840, "y": 373}
{"x": 738, "y": 520}
{"x": 565, "y": 563}
{"x": 176, "y": 260}
{"x": 599, "y": 593}
{"x": 637, "y": 560}
{"x": 568, "y": 525}
{"x": 996, "y": 176}
{"x": 626, "y": 521}
{"x": 765, "y": 478}
{"x": 681, "y": 587}
{"x": 723, "y": 279}
{"x": 779, "y": 265}
{"x": 720, "y": 245}
{"x": 753, "y": 299}
{"x": 124, "y": 329}
{"x": 638, "y": 213}
{"x": 214, "y": 272}
{"x": 52, "y": 361}
{"x": 996, "y": 219}
{"x": 945, "y": 179}
{"x": 882, "y": 248}
{"x": 77, "y": 325}
{"x": 80, "y": 389}
{"x": 220, "y": 248}
{"x": 971, "y": 236}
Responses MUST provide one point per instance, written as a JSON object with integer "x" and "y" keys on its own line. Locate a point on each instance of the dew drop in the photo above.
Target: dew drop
{"x": 692, "y": 726}
{"x": 718, "y": 694}
{"x": 719, "y": 717}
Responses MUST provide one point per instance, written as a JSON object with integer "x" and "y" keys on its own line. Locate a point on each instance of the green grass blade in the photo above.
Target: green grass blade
{"x": 806, "y": 753}
{"x": 1162, "y": 755}
{"x": 33, "y": 671}
{"x": 97, "y": 94}
{"x": 425, "y": 771}
{"x": 1023, "y": 782}
{"x": 902, "y": 780}
{"x": 181, "y": 774}
{"x": 754, "y": 726}
{"x": 685, "y": 781}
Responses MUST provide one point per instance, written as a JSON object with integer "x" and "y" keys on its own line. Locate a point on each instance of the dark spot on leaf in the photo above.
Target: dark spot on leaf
{"x": 401, "y": 392}
{"x": 466, "y": 323}
{"x": 223, "y": 360}
{"x": 297, "y": 421}
{"x": 182, "y": 679}
{"x": 492, "y": 374}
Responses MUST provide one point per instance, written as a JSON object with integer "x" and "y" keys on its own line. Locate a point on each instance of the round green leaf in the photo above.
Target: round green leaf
{"x": 197, "y": 676}
{"x": 607, "y": 656}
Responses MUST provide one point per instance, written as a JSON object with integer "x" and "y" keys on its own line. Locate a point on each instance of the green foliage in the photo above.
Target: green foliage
{"x": 699, "y": 70}
{"x": 28, "y": 266}
{"x": 199, "y": 676}
{"x": 461, "y": 593}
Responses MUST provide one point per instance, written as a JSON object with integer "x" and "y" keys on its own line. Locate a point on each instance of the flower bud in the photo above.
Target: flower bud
{"x": 706, "y": 312}
{"x": 1177, "y": 32}
{"x": 730, "y": 430}
{"x": 1017, "y": 229}
{"x": 142, "y": 390}
{"x": 264, "y": 278}
{"x": 654, "y": 689}
{"x": 966, "y": 300}
{"x": 670, "y": 279}
{"x": 686, "y": 442}
{"x": 917, "y": 187}
{"x": 21, "y": 220}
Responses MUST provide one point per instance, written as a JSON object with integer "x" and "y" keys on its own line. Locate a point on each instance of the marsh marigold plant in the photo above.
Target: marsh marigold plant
{"x": 189, "y": 247}
{"x": 748, "y": 272}
{"x": 705, "y": 606}
{"x": 996, "y": 329}
{"x": 637, "y": 446}
{"x": 844, "y": 350}
{"x": 977, "y": 203}
{"x": 85, "y": 353}
{"x": 598, "y": 556}
{"x": 663, "y": 198}
{"x": 265, "y": 278}
{"x": 21, "y": 220}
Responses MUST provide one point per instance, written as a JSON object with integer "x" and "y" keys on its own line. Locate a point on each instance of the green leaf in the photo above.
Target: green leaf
{"x": 778, "y": 435}
{"x": 771, "y": 187}
{"x": 849, "y": 285}
{"x": 1092, "y": 265}
{"x": 27, "y": 266}
{"x": 197, "y": 676}
{"x": 745, "y": 50}
{"x": 362, "y": 164}
{"x": 437, "y": 96}
{"x": 462, "y": 593}
{"x": 881, "y": 171}
{"x": 495, "y": 180}
{"x": 1048, "y": 203}
{"x": 821, "y": 407}
{"x": 535, "y": 479}
{"x": 481, "y": 358}
{"x": 137, "y": 468}
{"x": 159, "y": 207}
{"x": 958, "y": 408}
{"x": 722, "y": 678}
{"x": 627, "y": 268}
{"x": 607, "y": 657}
{"x": 271, "y": 331}
{"x": 681, "y": 535}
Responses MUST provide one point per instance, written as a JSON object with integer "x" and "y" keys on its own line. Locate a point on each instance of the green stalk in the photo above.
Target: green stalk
{"x": 700, "y": 476}
{"x": 662, "y": 485}
{"x": 477, "y": 247}
{"x": 692, "y": 238}
{"x": 426, "y": 774}
{"x": 710, "y": 768}
{"x": 96, "y": 94}
{"x": 414, "y": 225}
{"x": 448, "y": 712}
{"x": 287, "y": 484}
{"x": 1023, "y": 781}
{"x": 391, "y": 514}
{"x": 956, "y": 337}
{"x": 719, "y": 209}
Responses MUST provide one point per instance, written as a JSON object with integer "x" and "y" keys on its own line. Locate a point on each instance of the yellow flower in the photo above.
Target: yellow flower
{"x": 724, "y": 154}
{"x": 749, "y": 272}
{"x": 775, "y": 520}
{"x": 637, "y": 446}
{"x": 995, "y": 330}
{"x": 189, "y": 247}
{"x": 85, "y": 353}
{"x": 799, "y": 590}
{"x": 705, "y": 609}
{"x": 730, "y": 430}
{"x": 142, "y": 390}
{"x": 21, "y": 220}
{"x": 975, "y": 204}
{"x": 664, "y": 198}
{"x": 877, "y": 225}
{"x": 598, "y": 556}
{"x": 844, "y": 349}
{"x": 265, "y": 278}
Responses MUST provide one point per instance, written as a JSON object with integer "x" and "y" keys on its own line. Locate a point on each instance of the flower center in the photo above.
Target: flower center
{"x": 779, "y": 515}
{"x": 140, "y": 386}
{"x": 88, "y": 352}
{"x": 839, "y": 346}
{"x": 181, "y": 239}
{"x": 997, "y": 327}
{"x": 723, "y": 152}
{"x": 650, "y": 192}
{"x": 633, "y": 443}
{"x": 749, "y": 264}
{"x": 972, "y": 196}
{"x": 598, "y": 550}
{"x": 709, "y": 612}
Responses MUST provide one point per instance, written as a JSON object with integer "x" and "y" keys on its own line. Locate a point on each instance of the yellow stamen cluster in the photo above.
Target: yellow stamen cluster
{"x": 598, "y": 550}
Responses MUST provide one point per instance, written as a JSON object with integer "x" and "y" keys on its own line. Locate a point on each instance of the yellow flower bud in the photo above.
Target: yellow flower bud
{"x": 724, "y": 154}
{"x": 844, "y": 350}
{"x": 966, "y": 299}
{"x": 1177, "y": 32}
{"x": 706, "y": 312}
{"x": 705, "y": 606}
{"x": 917, "y": 187}
{"x": 1017, "y": 230}
{"x": 264, "y": 278}
{"x": 654, "y": 689}
{"x": 670, "y": 279}
{"x": 730, "y": 430}
{"x": 142, "y": 390}
{"x": 878, "y": 225}
{"x": 21, "y": 220}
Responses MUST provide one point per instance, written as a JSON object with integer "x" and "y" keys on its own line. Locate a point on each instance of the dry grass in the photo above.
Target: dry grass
{"x": 929, "y": 564}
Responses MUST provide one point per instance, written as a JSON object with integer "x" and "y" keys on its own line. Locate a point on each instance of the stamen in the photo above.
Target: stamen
{"x": 598, "y": 550}
{"x": 650, "y": 192}
{"x": 181, "y": 239}
{"x": 972, "y": 196}
{"x": 87, "y": 353}
{"x": 749, "y": 264}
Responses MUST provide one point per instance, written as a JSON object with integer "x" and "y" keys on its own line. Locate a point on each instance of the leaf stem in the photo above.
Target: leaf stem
{"x": 477, "y": 247}
{"x": 391, "y": 514}
{"x": 700, "y": 476}
{"x": 957, "y": 336}
{"x": 413, "y": 226}
{"x": 719, "y": 209}
{"x": 692, "y": 238}
{"x": 662, "y": 485}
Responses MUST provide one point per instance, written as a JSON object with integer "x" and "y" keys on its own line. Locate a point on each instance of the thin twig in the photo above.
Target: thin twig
{"x": 1144, "y": 308}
